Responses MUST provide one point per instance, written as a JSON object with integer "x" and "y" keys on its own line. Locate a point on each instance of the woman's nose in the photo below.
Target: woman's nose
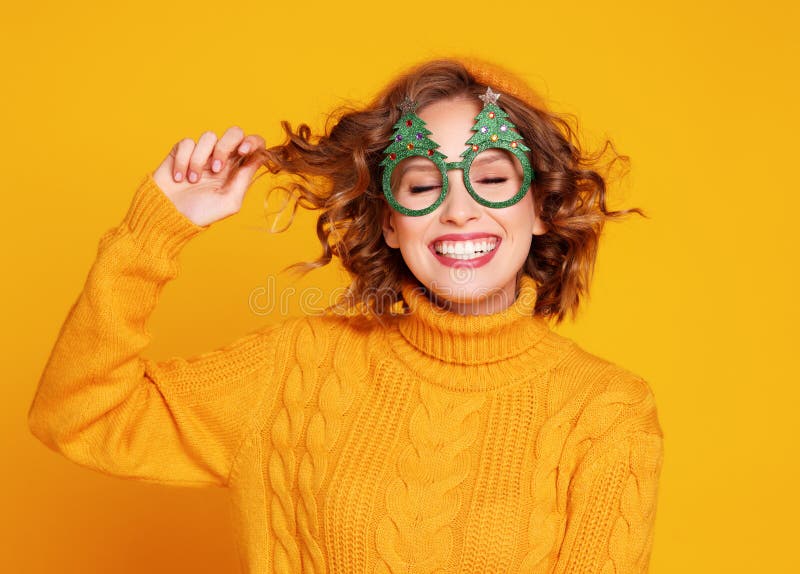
{"x": 458, "y": 206}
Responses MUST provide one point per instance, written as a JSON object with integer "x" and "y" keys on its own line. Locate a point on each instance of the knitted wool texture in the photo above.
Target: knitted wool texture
{"x": 503, "y": 82}
{"x": 434, "y": 443}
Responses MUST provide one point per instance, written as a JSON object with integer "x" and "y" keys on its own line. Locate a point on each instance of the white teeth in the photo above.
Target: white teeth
{"x": 465, "y": 249}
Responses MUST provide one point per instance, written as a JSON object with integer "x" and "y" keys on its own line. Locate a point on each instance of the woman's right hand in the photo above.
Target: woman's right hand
{"x": 207, "y": 181}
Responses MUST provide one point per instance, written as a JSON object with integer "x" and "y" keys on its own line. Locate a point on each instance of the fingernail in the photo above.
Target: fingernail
{"x": 244, "y": 148}
{"x": 192, "y": 176}
{"x": 178, "y": 176}
{"x": 215, "y": 167}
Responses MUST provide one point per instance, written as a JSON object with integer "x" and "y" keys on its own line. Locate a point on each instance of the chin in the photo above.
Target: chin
{"x": 465, "y": 286}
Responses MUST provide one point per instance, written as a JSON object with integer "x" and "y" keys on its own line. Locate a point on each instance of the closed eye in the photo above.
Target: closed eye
{"x": 491, "y": 180}
{"x": 424, "y": 188}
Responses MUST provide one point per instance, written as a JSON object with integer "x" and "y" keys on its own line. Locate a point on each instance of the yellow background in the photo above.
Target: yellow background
{"x": 700, "y": 299}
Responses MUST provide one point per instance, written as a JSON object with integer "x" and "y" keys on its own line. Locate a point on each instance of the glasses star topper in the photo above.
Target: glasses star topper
{"x": 489, "y": 97}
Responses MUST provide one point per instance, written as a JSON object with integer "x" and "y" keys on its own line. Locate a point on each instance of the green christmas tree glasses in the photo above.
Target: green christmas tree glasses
{"x": 496, "y": 170}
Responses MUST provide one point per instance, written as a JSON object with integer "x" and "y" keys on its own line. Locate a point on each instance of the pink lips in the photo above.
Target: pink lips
{"x": 462, "y": 237}
{"x": 477, "y": 262}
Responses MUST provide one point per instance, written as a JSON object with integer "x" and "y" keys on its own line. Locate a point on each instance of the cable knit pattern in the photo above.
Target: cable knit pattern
{"x": 547, "y": 520}
{"x": 416, "y": 535}
{"x": 619, "y": 450}
{"x": 286, "y": 433}
{"x": 336, "y": 397}
{"x": 631, "y": 541}
{"x": 429, "y": 443}
{"x": 499, "y": 485}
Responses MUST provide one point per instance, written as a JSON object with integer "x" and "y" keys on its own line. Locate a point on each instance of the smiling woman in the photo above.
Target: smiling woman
{"x": 454, "y": 432}
{"x": 567, "y": 191}
{"x": 460, "y": 219}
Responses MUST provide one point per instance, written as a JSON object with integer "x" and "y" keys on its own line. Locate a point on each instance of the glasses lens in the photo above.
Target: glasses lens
{"x": 416, "y": 183}
{"x": 496, "y": 175}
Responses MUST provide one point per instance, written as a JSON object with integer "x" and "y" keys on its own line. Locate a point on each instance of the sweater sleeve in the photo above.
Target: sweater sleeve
{"x": 611, "y": 507}
{"x": 103, "y": 406}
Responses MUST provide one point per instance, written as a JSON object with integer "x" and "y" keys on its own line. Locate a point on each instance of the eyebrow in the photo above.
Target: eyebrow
{"x": 420, "y": 165}
{"x": 489, "y": 155}
{"x": 416, "y": 163}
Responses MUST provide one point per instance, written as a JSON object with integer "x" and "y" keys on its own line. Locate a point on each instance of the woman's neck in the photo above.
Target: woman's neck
{"x": 485, "y": 303}
{"x": 471, "y": 339}
{"x": 488, "y": 304}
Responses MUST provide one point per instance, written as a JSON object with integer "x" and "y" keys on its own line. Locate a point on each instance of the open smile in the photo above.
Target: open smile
{"x": 470, "y": 250}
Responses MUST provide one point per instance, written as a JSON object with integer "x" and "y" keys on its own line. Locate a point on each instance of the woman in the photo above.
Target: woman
{"x": 442, "y": 426}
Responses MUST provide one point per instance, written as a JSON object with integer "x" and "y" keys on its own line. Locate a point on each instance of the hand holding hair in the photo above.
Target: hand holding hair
{"x": 207, "y": 180}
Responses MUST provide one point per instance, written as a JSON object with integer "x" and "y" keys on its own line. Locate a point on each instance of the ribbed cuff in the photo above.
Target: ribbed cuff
{"x": 155, "y": 222}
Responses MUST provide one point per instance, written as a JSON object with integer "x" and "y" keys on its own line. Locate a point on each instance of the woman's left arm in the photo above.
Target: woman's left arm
{"x": 612, "y": 498}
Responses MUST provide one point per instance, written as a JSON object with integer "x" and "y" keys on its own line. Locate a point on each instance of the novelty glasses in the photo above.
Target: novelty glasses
{"x": 496, "y": 170}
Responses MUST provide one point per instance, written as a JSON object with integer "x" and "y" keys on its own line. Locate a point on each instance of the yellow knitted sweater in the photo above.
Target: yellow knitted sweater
{"x": 433, "y": 443}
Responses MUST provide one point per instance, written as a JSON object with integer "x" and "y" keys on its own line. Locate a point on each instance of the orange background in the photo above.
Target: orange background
{"x": 700, "y": 299}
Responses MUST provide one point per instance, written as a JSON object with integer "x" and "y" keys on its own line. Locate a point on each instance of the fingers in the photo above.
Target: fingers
{"x": 250, "y": 144}
{"x": 190, "y": 160}
{"x": 227, "y": 143}
{"x": 183, "y": 152}
{"x": 242, "y": 177}
{"x": 205, "y": 145}
{"x": 234, "y": 142}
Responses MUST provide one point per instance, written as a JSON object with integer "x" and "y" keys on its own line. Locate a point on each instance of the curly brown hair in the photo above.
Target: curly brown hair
{"x": 338, "y": 173}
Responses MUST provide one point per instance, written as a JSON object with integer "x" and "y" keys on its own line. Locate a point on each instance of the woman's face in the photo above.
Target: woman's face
{"x": 470, "y": 281}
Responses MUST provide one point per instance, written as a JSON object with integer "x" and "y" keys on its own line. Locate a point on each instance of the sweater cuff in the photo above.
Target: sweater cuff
{"x": 155, "y": 223}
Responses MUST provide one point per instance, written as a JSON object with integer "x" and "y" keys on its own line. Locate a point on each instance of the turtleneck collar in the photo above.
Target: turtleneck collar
{"x": 473, "y": 339}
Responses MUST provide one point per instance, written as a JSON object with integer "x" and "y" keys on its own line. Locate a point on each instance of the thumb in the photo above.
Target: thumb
{"x": 242, "y": 178}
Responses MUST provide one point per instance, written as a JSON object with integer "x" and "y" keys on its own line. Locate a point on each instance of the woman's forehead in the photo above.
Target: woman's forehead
{"x": 450, "y": 122}
{"x": 460, "y": 112}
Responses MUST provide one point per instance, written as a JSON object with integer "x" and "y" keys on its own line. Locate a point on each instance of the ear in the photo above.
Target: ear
{"x": 539, "y": 228}
{"x": 389, "y": 231}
